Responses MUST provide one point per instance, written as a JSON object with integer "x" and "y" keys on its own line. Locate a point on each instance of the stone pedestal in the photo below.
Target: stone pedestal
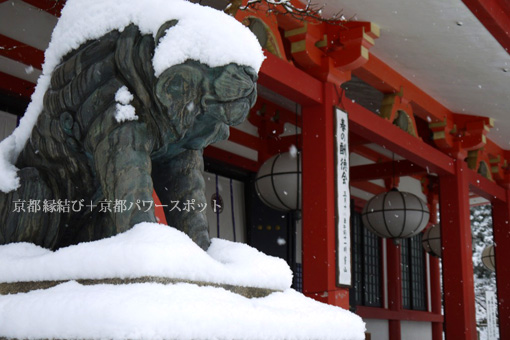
{"x": 25, "y": 287}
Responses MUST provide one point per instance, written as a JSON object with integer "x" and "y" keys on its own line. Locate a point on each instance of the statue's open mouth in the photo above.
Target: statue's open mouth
{"x": 231, "y": 113}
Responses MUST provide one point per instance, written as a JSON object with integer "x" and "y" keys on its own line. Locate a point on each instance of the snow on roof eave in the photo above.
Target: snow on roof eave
{"x": 202, "y": 33}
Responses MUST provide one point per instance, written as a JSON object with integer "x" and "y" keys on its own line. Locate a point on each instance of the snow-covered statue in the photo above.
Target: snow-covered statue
{"x": 119, "y": 116}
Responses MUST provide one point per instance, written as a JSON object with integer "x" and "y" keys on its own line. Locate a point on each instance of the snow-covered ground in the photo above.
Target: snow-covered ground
{"x": 157, "y": 311}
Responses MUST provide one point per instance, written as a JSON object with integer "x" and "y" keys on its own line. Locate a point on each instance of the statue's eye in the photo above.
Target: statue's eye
{"x": 176, "y": 84}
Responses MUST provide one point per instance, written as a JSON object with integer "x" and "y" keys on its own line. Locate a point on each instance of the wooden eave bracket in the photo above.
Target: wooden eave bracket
{"x": 393, "y": 104}
{"x": 462, "y": 134}
{"x": 329, "y": 52}
{"x": 466, "y": 138}
{"x": 500, "y": 169}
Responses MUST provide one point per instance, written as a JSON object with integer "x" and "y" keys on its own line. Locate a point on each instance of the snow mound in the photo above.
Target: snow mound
{"x": 202, "y": 33}
{"x": 180, "y": 311}
{"x": 148, "y": 249}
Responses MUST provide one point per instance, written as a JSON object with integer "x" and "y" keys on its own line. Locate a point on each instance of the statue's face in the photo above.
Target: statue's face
{"x": 233, "y": 92}
{"x": 202, "y": 102}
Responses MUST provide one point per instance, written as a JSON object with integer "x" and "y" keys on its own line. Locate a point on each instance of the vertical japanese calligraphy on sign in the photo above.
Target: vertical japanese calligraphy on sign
{"x": 492, "y": 318}
{"x": 343, "y": 206}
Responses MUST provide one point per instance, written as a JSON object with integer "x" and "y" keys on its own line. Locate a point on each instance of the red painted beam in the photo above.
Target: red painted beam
{"x": 230, "y": 158}
{"x": 356, "y": 141}
{"x": 54, "y": 7}
{"x": 404, "y": 315}
{"x": 290, "y": 82}
{"x": 382, "y": 132}
{"x": 385, "y": 170}
{"x": 495, "y": 16}
{"x": 485, "y": 188}
{"x": 21, "y": 52}
{"x": 369, "y": 187}
{"x": 16, "y": 86}
{"x": 245, "y": 139}
{"x": 501, "y": 225}
{"x": 368, "y": 153}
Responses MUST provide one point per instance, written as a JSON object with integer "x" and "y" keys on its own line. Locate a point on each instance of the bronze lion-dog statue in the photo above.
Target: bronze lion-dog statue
{"x": 80, "y": 155}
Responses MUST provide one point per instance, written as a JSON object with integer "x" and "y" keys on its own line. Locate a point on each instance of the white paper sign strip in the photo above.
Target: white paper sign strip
{"x": 492, "y": 322}
{"x": 343, "y": 211}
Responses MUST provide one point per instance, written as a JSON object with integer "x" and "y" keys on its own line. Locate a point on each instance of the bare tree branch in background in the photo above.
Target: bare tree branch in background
{"x": 310, "y": 11}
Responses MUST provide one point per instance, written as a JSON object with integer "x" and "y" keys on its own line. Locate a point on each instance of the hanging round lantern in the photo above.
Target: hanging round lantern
{"x": 488, "y": 258}
{"x": 395, "y": 214}
{"x": 278, "y": 182}
{"x": 431, "y": 240}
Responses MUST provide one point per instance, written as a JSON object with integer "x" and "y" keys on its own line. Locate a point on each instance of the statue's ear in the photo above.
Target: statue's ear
{"x": 179, "y": 85}
{"x": 162, "y": 30}
{"x": 179, "y": 90}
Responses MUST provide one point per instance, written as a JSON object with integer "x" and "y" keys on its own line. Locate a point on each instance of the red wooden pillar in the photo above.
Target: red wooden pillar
{"x": 435, "y": 292}
{"x": 458, "y": 282}
{"x": 394, "y": 287}
{"x": 501, "y": 224}
{"x": 319, "y": 229}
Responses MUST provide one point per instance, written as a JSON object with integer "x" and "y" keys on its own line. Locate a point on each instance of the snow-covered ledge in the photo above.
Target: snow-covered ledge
{"x": 152, "y": 310}
{"x": 148, "y": 249}
{"x": 147, "y": 253}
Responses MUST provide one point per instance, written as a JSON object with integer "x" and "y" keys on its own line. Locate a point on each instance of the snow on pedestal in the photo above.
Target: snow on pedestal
{"x": 156, "y": 311}
{"x": 148, "y": 249}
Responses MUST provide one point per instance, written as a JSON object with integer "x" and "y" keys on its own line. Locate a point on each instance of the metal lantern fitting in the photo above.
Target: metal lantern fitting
{"x": 431, "y": 240}
{"x": 278, "y": 182}
{"x": 488, "y": 258}
{"x": 395, "y": 214}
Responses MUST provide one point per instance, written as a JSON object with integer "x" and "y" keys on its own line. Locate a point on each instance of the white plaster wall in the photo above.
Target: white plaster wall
{"x": 355, "y": 159}
{"x": 378, "y": 329}
{"x": 414, "y": 330}
{"x": 7, "y": 124}
{"x": 412, "y": 185}
{"x": 226, "y": 222}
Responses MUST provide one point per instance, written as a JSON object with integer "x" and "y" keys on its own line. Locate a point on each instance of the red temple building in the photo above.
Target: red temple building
{"x": 425, "y": 89}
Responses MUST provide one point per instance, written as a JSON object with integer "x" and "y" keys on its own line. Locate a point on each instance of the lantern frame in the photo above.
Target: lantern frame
{"x": 278, "y": 182}
{"x": 489, "y": 258}
{"x": 407, "y": 210}
{"x": 431, "y": 240}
